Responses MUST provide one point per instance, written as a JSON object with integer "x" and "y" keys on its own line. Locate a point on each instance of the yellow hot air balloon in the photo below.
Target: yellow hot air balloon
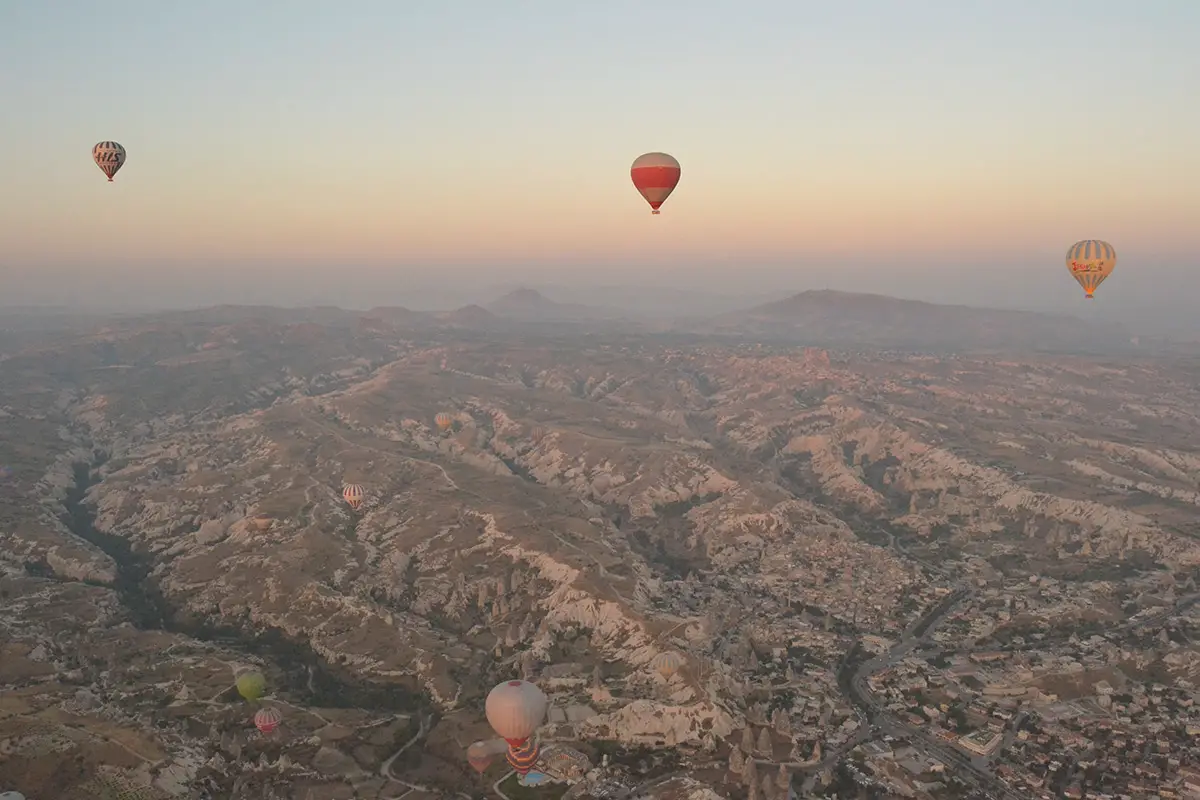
{"x": 1090, "y": 262}
{"x": 251, "y": 684}
{"x": 666, "y": 664}
{"x": 443, "y": 421}
{"x": 354, "y": 495}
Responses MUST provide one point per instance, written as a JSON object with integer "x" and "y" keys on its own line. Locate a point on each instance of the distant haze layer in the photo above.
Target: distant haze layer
{"x": 942, "y": 151}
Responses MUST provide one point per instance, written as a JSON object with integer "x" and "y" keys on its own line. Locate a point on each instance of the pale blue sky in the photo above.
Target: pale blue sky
{"x": 863, "y": 145}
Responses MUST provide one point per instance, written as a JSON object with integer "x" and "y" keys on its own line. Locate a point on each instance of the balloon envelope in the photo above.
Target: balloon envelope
{"x": 666, "y": 664}
{"x": 354, "y": 495}
{"x": 655, "y": 176}
{"x": 1090, "y": 262}
{"x": 480, "y": 756}
{"x": 523, "y": 758}
{"x": 443, "y": 421}
{"x": 109, "y": 157}
{"x": 515, "y": 709}
{"x": 251, "y": 685}
{"x": 267, "y": 719}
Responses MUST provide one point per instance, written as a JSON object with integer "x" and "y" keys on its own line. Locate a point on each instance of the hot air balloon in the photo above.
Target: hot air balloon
{"x": 109, "y": 157}
{"x": 443, "y": 421}
{"x": 267, "y": 719}
{"x": 1090, "y": 262}
{"x": 251, "y": 684}
{"x": 538, "y": 433}
{"x": 523, "y": 758}
{"x": 515, "y": 709}
{"x": 354, "y": 495}
{"x": 655, "y": 176}
{"x": 479, "y": 756}
{"x": 11, "y": 796}
{"x": 666, "y": 664}
{"x": 262, "y": 522}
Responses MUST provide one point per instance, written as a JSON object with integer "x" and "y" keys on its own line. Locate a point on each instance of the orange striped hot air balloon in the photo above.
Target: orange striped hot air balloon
{"x": 666, "y": 664}
{"x": 443, "y": 421}
{"x": 523, "y": 758}
{"x": 655, "y": 176}
{"x": 354, "y": 495}
{"x": 1090, "y": 262}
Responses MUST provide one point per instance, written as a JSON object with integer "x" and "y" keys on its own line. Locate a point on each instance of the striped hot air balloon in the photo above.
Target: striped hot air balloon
{"x": 267, "y": 719}
{"x": 1090, "y": 262}
{"x": 667, "y": 664}
{"x": 538, "y": 433}
{"x": 655, "y": 176}
{"x": 354, "y": 495}
{"x": 443, "y": 421}
{"x": 523, "y": 758}
{"x": 109, "y": 157}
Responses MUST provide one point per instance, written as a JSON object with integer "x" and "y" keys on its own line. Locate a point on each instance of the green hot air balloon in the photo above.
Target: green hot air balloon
{"x": 251, "y": 685}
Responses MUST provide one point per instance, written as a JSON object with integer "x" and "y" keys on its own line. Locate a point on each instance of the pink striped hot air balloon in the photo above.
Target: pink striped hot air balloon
{"x": 267, "y": 719}
{"x": 655, "y": 176}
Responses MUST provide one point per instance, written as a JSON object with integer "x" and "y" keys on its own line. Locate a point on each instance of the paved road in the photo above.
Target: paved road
{"x": 974, "y": 774}
{"x": 974, "y": 771}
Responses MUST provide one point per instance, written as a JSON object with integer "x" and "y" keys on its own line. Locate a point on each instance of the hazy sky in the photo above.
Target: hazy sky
{"x": 295, "y": 150}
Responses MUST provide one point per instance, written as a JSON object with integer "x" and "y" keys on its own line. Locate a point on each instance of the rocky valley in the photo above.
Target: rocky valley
{"x": 815, "y": 531}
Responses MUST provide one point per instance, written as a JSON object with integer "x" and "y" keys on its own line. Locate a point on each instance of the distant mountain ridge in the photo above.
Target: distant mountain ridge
{"x": 845, "y": 318}
{"x": 532, "y": 306}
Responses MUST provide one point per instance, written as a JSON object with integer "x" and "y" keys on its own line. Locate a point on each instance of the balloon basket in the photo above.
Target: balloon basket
{"x": 655, "y": 212}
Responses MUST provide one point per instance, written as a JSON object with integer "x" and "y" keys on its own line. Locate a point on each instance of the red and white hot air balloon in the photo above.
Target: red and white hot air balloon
{"x": 109, "y": 157}
{"x": 655, "y": 176}
{"x": 354, "y": 495}
{"x": 515, "y": 709}
{"x": 267, "y": 719}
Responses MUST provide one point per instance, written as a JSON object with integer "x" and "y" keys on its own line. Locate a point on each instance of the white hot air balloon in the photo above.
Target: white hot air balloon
{"x": 515, "y": 709}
